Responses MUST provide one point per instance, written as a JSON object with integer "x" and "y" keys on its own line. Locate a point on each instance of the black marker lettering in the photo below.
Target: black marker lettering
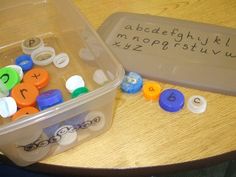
{"x": 156, "y": 30}
{"x": 189, "y": 35}
{"x": 165, "y": 45}
{"x": 139, "y": 28}
{"x": 155, "y": 42}
{"x": 171, "y": 97}
{"x": 164, "y": 32}
{"x": 147, "y": 30}
{"x": 193, "y": 47}
{"x": 146, "y": 40}
{"x": 116, "y": 44}
{"x": 36, "y": 76}
{"x": 203, "y": 50}
{"x": 136, "y": 38}
{"x": 127, "y": 46}
{"x": 174, "y": 31}
{"x": 185, "y": 47}
{"x": 151, "y": 89}
{"x": 176, "y": 44}
{"x": 180, "y": 37}
{"x": 31, "y": 42}
{"x": 205, "y": 43}
{"x": 197, "y": 100}
{"x": 5, "y": 78}
{"x": 22, "y": 92}
{"x": 121, "y": 36}
{"x": 228, "y": 54}
{"x": 137, "y": 48}
{"x": 215, "y": 52}
{"x": 227, "y": 43}
{"x": 217, "y": 40}
{"x": 129, "y": 27}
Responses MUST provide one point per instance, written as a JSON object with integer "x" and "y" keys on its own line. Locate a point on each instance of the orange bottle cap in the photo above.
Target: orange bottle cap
{"x": 39, "y": 77}
{"x": 24, "y": 111}
{"x": 25, "y": 94}
{"x": 151, "y": 90}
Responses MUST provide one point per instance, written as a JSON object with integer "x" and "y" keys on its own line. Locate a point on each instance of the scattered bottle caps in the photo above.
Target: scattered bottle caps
{"x": 38, "y": 77}
{"x": 9, "y": 77}
{"x": 79, "y": 91}
{"x": 43, "y": 56}
{"x": 132, "y": 83}
{"x": 100, "y": 77}
{"x": 61, "y": 60}
{"x": 49, "y": 98}
{"x": 74, "y": 82}
{"x": 4, "y": 92}
{"x": 151, "y": 90}
{"x": 25, "y": 94}
{"x": 24, "y": 112}
{"x": 25, "y": 62}
{"x": 197, "y": 104}
{"x": 171, "y": 100}
{"x": 18, "y": 69}
{"x": 31, "y": 44}
{"x": 8, "y": 107}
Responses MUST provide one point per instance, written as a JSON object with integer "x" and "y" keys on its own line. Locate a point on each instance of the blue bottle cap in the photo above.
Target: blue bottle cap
{"x": 171, "y": 100}
{"x": 25, "y": 62}
{"x": 132, "y": 83}
{"x": 49, "y": 98}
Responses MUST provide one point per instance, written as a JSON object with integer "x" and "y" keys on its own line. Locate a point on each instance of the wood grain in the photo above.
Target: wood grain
{"x": 143, "y": 134}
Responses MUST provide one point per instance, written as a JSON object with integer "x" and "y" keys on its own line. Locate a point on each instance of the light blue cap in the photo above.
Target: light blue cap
{"x": 132, "y": 83}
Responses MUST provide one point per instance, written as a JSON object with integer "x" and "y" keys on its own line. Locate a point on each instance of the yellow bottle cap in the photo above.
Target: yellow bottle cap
{"x": 151, "y": 90}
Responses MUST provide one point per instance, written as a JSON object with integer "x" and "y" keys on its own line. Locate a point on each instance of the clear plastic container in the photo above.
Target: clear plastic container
{"x": 56, "y": 129}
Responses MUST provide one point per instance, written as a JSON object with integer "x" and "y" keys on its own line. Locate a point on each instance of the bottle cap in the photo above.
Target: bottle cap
{"x": 197, "y": 104}
{"x": 25, "y": 62}
{"x": 79, "y": 91}
{"x": 43, "y": 56}
{"x": 132, "y": 83}
{"x": 74, "y": 82}
{"x": 61, "y": 60}
{"x": 9, "y": 77}
{"x": 38, "y": 77}
{"x": 171, "y": 100}
{"x": 49, "y": 98}
{"x": 151, "y": 90}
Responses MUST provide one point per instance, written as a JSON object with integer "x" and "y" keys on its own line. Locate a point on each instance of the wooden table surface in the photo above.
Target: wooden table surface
{"x": 142, "y": 134}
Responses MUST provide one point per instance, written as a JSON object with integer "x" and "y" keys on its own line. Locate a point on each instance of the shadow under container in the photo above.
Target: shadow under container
{"x": 60, "y": 25}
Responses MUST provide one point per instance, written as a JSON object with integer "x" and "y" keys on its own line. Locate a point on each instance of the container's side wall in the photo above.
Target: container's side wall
{"x": 44, "y": 146}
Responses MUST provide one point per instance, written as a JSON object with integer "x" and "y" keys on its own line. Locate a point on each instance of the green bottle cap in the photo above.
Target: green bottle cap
{"x": 9, "y": 77}
{"x": 79, "y": 91}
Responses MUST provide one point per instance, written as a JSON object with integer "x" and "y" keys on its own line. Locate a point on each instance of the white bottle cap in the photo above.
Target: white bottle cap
{"x": 8, "y": 107}
{"x": 74, "y": 82}
{"x": 4, "y": 92}
{"x": 99, "y": 77}
{"x": 61, "y": 60}
{"x": 68, "y": 135}
{"x": 18, "y": 69}
{"x": 31, "y": 44}
{"x": 97, "y": 120}
{"x": 197, "y": 104}
{"x": 43, "y": 56}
